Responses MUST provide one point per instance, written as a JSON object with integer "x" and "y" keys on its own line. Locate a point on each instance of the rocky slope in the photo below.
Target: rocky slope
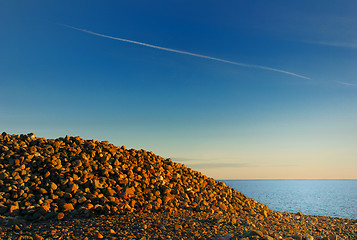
{"x": 46, "y": 178}
{"x": 86, "y": 183}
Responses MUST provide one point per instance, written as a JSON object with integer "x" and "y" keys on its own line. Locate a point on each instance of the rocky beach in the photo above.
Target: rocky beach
{"x": 71, "y": 188}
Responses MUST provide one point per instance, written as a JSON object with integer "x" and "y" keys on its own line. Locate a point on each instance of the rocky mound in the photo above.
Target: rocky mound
{"x": 51, "y": 178}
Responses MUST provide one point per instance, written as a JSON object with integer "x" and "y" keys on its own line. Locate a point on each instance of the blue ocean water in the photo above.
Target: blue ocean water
{"x": 336, "y": 198}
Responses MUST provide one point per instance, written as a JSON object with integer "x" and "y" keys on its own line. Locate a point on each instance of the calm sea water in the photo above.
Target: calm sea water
{"x": 336, "y": 198}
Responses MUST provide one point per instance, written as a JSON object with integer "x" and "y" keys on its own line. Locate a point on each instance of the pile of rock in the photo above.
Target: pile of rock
{"x": 51, "y": 178}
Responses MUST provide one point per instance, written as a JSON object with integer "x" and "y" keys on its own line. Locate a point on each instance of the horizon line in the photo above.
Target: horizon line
{"x": 286, "y": 179}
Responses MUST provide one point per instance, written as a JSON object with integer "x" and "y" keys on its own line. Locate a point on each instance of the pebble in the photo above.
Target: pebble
{"x": 37, "y": 237}
{"x": 99, "y": 236}
{"x": 308, "y": 237}
{"x": 60, "y": 215}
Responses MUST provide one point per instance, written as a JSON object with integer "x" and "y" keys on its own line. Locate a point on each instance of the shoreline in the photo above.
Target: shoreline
{"x": 280, "y": 179}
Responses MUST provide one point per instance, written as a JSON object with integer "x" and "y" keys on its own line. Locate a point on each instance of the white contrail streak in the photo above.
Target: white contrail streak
{"x": 345, "y": 83}
{"x": 187, "y": 53}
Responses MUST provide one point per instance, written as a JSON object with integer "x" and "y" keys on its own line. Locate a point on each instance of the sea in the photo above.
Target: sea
{"x": 335, "y": 198}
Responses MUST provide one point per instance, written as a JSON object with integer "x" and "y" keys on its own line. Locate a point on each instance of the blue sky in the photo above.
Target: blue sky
{"x": 225, "y": 120}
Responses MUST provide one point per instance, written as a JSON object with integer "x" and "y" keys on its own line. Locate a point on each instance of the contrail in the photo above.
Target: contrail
{"x": 188, "y": 53}
{"x": 345, "y": 83}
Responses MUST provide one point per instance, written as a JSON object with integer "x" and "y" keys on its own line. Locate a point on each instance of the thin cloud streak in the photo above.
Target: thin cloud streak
{"x": 220, "y": 165}
{"x": 336, "y": 44}
{"x": 345, "y": 83}
{"x": 188, "y": 53}
{"x": 204, "y": 163}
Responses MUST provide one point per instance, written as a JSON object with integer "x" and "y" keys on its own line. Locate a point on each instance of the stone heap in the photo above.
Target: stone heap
{"x": 51, "y": 178}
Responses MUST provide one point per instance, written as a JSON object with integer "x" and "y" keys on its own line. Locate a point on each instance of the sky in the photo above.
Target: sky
{"x": 233, "y": 89}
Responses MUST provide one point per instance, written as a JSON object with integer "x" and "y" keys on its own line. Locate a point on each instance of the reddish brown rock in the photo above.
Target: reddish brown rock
{"x": 60, "y": 215}
{"x": 68, "y": 207}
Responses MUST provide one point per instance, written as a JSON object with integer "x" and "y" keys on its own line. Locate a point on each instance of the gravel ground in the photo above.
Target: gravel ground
{"x": 182, "y": 224}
